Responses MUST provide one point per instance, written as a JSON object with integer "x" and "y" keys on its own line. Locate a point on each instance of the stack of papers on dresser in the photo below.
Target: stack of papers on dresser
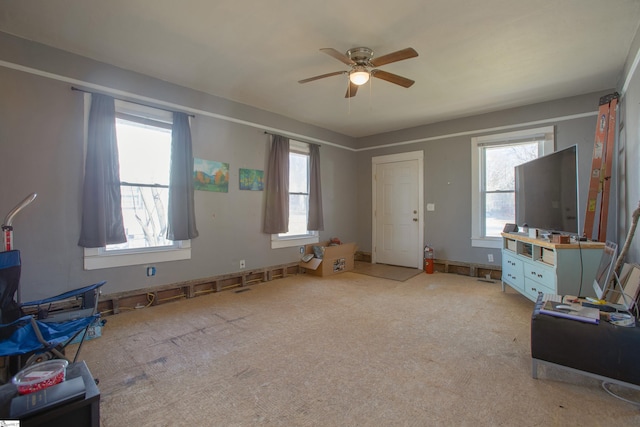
{"x": 571, "y": 311}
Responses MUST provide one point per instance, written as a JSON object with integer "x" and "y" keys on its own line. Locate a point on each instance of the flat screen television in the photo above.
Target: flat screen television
{"x": 546, "y": 192}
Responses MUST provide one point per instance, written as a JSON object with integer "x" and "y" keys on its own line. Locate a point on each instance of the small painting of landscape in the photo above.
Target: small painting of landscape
{"x": 209, "y": 175}
{"x": 251, "y": 179}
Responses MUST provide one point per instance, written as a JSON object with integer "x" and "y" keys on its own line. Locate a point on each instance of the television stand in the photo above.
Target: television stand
{"x": 534, "y": 265}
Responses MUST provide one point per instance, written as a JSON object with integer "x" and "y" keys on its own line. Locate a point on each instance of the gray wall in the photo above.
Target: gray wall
{"x": 42, "y": 151}
{"x": 447, "y": 167}
{"x": 41, "y": 128}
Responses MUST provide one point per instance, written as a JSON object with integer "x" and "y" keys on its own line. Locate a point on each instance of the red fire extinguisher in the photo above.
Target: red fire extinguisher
{"x": 428, "y": 259}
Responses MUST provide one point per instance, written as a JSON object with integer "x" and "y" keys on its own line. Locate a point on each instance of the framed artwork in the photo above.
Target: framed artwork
{"x": 209, "y": 175}
{"x": 251, "y": 179}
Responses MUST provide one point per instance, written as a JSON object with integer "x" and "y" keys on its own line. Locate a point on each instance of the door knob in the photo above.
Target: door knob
{"x": 415, "y": 219}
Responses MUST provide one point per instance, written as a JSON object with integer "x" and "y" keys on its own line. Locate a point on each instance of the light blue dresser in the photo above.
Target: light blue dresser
{"x": 533, "y": 265}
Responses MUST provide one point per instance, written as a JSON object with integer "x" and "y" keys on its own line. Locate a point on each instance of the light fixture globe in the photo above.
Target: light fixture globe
{"x": 359, "y": 76}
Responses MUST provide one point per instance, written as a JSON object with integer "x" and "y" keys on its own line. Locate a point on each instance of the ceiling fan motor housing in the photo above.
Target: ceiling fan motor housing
{"x": 360, "y": 55}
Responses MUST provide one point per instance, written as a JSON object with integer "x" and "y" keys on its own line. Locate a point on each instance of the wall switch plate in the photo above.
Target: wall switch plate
{"x": 242, "y": 264}
{"x": 431, "y": 207}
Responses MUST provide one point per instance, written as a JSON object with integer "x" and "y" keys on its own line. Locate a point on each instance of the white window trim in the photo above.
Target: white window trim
{"x": 97, "y": 258}
{"x": 277, "y": 241}
{"x": 288, "y": 242}
{"x": 477, "y": 240}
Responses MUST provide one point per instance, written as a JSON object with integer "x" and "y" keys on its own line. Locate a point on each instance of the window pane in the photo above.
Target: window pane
{"x": 298, "y": 173}
{"x": 500, "y": 161}
{"x": 298, "y": 207}
{"x": 499, "y": 210}
{"x": 298, "y": 194}
{"x": 144, "y": 153}
{"x": 144, "y": 210}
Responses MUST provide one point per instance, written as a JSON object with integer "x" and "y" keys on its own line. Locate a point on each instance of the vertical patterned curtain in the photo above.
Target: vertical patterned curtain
{"x": 276, "y": 217}
{"x": 181, "y": 218}
{"x": 315, "y": 221}
{"x": 102, "y": 222}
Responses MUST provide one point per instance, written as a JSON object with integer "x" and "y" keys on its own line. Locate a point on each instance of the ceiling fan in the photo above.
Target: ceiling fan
{"x": 363, "y": 66}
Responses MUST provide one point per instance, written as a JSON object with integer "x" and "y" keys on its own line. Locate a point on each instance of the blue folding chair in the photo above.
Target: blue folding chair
{"x": 42, "y": 329}
{"x": 9, "y": 282}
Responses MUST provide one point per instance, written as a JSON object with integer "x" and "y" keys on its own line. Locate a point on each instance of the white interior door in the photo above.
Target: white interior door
{"x": 397, "y": 210}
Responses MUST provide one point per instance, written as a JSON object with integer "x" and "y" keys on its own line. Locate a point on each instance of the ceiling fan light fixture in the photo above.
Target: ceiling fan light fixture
{"x": 359, "y": 76}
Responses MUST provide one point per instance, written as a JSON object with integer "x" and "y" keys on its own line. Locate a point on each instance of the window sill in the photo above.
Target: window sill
{"x": 487, "y": 242}
{"x": 278, "y": 243}
{"x": 96, "y": 258}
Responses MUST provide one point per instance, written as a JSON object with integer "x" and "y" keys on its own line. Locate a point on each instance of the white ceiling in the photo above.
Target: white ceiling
{"x": 474, "y": 56}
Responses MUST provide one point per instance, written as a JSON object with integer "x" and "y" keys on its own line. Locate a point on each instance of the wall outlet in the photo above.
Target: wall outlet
{"x": 490, "y": 256}
{"x": 301, "y": 250}
{"x": 242, "y": 264}
{"x": 151, "y": 271}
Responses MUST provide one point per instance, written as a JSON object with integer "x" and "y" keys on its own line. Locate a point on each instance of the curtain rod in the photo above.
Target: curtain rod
{"x": 126, "y": 100}
{"x": 297, "y": 139}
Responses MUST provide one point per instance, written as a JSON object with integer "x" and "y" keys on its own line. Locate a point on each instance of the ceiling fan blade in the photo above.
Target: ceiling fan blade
{"x": 322, "y": 76}
{"x": 394, "y": 57}
{"x": 339, "y": 56}
{"x": 392, "y": 78}
{"x": 351, "y": 90}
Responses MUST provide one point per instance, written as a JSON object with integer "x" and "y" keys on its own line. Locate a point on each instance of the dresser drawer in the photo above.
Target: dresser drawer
{"x": 542, "y": 274}
{"x": 512, "y": 271}
{"x": 532, "y": 288}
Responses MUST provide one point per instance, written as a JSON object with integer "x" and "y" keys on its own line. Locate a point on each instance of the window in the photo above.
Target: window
{"x": 298, "y": 200}
{"x": 493, "y": 188}
{"x": 144, "y": 183}
{"x": 144, "y": 150}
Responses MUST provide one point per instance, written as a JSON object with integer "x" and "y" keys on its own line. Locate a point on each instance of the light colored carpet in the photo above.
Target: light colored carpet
{"x": 345, "y": 350}
{"x": 384, "y": 271}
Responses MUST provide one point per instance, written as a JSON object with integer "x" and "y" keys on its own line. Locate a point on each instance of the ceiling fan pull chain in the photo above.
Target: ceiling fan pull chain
{"x": 370, "y": 94}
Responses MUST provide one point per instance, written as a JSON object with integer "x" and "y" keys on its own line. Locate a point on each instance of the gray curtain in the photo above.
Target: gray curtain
{"x": 102, "y": 222}
{"x": 181, "y": 219}
{"x": 315, "y": 221}
{"x": 276, "y": 217}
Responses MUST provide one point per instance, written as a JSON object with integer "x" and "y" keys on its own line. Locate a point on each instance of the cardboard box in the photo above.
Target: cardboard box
{"x": 560, "y": 238}
{"x": 336, "y": 259}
